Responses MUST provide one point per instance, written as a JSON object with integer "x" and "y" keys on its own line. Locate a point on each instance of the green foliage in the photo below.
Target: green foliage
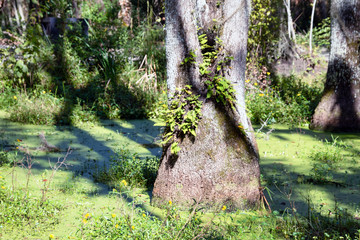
{"x": 4, "y": 158}
{"x": 322, "y": 33}
{"x": 131, "y": 168}
{"x": 72, "y": 69}
{"x": 325, "y": 160}
{"x": 212, "y": 69}
{"x": 81, "y": 114}
{"x": 7, "y": 94}
{"x": 290, "y": 101}
{"x": 123, "y": 77}
{"x": 99, "y": 14}
{"x": 139, "y": 224}
{"x": 130, "y": 69}
{"x": 61, "y": 8}
{"x": 181, "y": 117}
{"x": 263, "y": 29}
{"x": 39, "y": 108}
{"x": 270, "y": 107}
{"x": 19, "y": 209}
{"x": 26, "y": 66}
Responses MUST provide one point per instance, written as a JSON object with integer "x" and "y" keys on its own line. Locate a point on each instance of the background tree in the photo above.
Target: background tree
{"x": 339, "y": 109}
{"x": 218, "y": 163}
{"x": 13, "y": 14}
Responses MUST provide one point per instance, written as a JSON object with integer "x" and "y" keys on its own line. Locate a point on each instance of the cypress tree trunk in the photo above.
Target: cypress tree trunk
{"x": 339, "y": 108}
{"x": 220, "y": 164}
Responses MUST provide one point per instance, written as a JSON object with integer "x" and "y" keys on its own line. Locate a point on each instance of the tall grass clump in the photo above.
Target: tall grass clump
{"x": 326, "y": 160}
{"x": 129, "y": 168}
{"x": 39, "y": 108}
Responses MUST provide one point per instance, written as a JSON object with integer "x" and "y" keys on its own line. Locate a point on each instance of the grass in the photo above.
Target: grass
{"x": 287, "y": 155}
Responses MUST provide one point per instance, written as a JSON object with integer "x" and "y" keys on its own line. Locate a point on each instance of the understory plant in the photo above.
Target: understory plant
{"x": 285, "y": 100}
{"x": 130, "y": 168}
{"x": 326, "y": 160}
{"x": 39, "y": 108}
{"x": 131, "y": 222}
{"x": 20, "y": 207}
{"x": 123, "y": 77}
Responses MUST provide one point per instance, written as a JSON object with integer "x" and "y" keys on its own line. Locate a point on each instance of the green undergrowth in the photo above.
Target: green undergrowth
{"x": 19, "y": 209}
{"x": 287, "y": 100}
{"x": 121, "y": 78}
{"x": 128, "y": 168}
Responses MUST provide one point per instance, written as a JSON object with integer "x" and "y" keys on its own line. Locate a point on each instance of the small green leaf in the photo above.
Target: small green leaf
{"x": 175, "y": 148}
{"x": 192, "y": 131}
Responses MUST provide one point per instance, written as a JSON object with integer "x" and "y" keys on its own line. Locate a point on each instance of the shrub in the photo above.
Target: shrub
{"x": 263, "y": 31}
{"x": 6, "y": 157}
{"x": 131, "y": 168}
{"x": 325, "y": 161}
{"x": 287, "y": 100}
{"x": 82, "y": 114}
{"x": 7, "y": 94}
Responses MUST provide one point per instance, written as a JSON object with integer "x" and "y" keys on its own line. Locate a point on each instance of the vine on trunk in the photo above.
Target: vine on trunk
{"x": 213, "y": 68}
{"x": 184, "y": 111}
{"x": 182, "y": 117}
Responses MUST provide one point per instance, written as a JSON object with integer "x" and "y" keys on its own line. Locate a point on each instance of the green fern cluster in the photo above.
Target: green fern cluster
{"x": 181, "y": 116}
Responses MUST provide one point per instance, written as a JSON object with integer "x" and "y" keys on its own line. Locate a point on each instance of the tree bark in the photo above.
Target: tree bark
{"x": 339, "y": 108}
{"x": 220, "y": 165}
{"x": 76, "y": 8}
{"x": 125, "y": 12}
{"x": 291, "y": 30}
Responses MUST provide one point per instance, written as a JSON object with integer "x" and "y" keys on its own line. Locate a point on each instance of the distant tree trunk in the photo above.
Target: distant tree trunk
{"x": 286, "y": 47}
{"x": 6, "y": 14}
{"x": 311, "y": 26}
{"x": 158, "y": 7}
{"x": 77, "y": 9}
{"x": 339, "y": 108}
{"x": 220, "y": 164}
{"x": 291, "y": 30}
{"x": 125, "y": 12}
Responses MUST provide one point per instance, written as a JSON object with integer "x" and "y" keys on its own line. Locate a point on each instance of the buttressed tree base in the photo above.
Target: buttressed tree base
{"x": 339, "y": 108}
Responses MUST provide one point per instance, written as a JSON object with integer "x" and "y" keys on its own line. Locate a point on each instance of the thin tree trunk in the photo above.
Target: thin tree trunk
{"x": 8, "y": 15}
{"x": 311, "y": 26}
{"x": 291, "y": 30}
{"x": 77, "y": 10}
